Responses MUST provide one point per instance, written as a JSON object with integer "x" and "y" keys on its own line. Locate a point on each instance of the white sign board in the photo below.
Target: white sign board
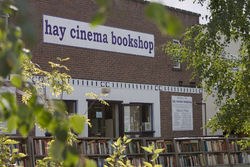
{"x": 182, "y": 113}
{"x": 80, "y": 34}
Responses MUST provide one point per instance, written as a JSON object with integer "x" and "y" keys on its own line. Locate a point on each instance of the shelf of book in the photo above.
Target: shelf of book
{"x": 189, "y": 152}
{"x": 178, "y": 152}
{"x": 215, "y": 151}
{"x": 94, "y": 146}
{"x": 237, "y": 155}
{"x": 23, "y": 147}
{"x": 39, "y": 147}
{"x": 168, "y": 157}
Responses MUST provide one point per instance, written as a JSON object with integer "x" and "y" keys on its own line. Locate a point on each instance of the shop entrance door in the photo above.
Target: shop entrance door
{"x": 104, "y": 119}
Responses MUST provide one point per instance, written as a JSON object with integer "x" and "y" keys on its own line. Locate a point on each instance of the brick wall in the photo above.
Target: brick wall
{"x": 110, "y": 66}
{"x": 103, "y": 65}
{"x": 166, "y": 115}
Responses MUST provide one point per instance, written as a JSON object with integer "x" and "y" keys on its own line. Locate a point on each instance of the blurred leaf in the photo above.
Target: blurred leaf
{"x": 90, "y": 163}
{"x": 77, "y": 123}
{"x": 148, "y": 149}
{"x": 71, "y": 157}
{"x": 102, "y": 12}
{"x": 128, "y": 141}
{"x": 99, "y": 18}
{"x": 157, "y": 151}
{"x": 167, "y": 23}
{"x": 21, "y": 155}
{"x": 10, "y": 142}
{"x": 147, "y": 164}
{"x": 154, "y": 157}
{"x": 12, "y": 123}
{"x": 56, "y": 150}
{"x": 44, "y": 119}
{"x": 16, "y": 80}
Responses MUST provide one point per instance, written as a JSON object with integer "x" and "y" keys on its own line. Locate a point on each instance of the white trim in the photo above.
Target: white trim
{"x": 135, "y": 86}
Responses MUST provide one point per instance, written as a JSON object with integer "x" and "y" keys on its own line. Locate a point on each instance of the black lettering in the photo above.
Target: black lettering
{"x": 97, "y": 37}
{"x": 113, "y": 38}
{"x": 83, "y": 34}
{"x": 140, "y": 42}
{"x": 55, "y": 31}
{"x": 125, "y": 41}
{"x": 47, "y": 28}
{"x": 72, "y": 33}
{"x": 119, "y": 40}
{"x": 105, "y": 38}
{"x": 130, "y": 41}
{"x": 90, "y": 36}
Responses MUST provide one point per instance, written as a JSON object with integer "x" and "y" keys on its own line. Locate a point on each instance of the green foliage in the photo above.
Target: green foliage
{"x": 204, "y": 49}
{"x": 166, "y": 22}
{"x": 37, "y": 109}
{"x": 155, "y": 154}
{"x": 9, "y": 154}
{"x": 102, "y": 12}
{"x": 118, "y": 157}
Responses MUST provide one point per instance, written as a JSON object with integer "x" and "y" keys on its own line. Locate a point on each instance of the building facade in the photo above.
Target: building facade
{"x": 148, "y": 94}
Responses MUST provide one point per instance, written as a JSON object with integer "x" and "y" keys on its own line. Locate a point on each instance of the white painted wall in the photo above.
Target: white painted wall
{"x": 232, "y": 51}
{"x": 118, "y": 94}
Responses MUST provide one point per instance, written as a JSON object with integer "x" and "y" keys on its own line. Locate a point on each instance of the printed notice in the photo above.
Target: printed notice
{"x": 182, "y": 113}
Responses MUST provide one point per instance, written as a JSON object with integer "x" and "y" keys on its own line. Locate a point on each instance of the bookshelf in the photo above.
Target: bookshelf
{"x": 39, "y": 148}
{"x": 237, "y": 155}
{"x": 95, "y": 148}
{"x": 216, "y": 151}
{"x": 23, "y": 147}
{"x": 178, "y": 152}
{"x": 168, "y": 156}
{"x": 135, "y": 153}
{"x": 189, "y": 152}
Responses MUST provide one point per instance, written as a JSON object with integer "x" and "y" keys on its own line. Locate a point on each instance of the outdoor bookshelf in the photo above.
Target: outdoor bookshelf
{"x": 237, "y": 155}
{"x": 178, "y": 152}
{"x": 39, "y": 148}
{"x": 95, "y": 148}
{"x": 134, "y": 151}
{"x": 23, "y": 147}
{"x": 216, "y": 151}
{"x": 168, "y": 156}
{"x": 189, "y": 152}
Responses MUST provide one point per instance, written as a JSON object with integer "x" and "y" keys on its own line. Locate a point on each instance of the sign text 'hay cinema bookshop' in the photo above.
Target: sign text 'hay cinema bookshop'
{"x": 80, "y": 34}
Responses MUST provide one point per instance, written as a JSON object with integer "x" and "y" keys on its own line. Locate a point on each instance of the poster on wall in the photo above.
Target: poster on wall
{"x": 182, "y": 113}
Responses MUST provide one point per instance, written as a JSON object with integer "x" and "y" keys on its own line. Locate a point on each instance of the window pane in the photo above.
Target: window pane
{"x": 146, "y": 117}
{"x": 135, "y": 121}
{"x": 71, "y": 106}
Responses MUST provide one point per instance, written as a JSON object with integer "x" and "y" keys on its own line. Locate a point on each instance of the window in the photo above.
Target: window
{"x": 176, "y": 62}
{"x": 138, "y": 118}
{"x": 71, "y": 106}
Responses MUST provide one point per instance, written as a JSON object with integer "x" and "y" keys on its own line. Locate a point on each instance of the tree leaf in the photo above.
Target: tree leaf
{"x": 16, "y": 80}
{"x": 157, "y": 151}
{"x": 148, "y": 149}
{"x": 90, "y": 163}
{"x": 12, "y": 123}
{"x": 147, "y": 164}
{"x": 77, "y": 123}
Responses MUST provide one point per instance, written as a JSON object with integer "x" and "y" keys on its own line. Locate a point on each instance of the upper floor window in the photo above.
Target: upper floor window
{"x": 176, "y": 61}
